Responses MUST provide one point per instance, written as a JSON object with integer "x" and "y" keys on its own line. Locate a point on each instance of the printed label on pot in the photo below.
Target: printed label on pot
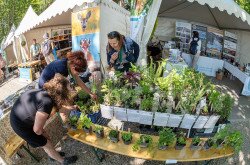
{"x": 146, "y": 117}
{"x": 174, "y": 120}
{"x": 188, "y": 121}
{"x": 120, "y": 113}
{"x": 133, "y": 115}
{"x": 107, "y": 111}
{"x": 161, "y": 119}
{"x": 200, "y": 122}
{"x": 211, "y": 121}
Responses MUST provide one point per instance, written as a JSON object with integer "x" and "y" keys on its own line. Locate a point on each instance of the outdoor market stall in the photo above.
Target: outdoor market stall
{"x": 221, "y": 39}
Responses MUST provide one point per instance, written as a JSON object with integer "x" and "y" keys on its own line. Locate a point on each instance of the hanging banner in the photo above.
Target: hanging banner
{"x": 214, "y": 42}
{"x": 86, "y": 35}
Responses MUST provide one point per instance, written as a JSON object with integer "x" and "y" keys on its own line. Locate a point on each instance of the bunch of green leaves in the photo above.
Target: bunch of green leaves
{"x": 84, "y": 121}
{"x": 227, "y": 103}
{"x": 143, "y": 139}
{"x": 146, "y": 103}
{"x": 127, "y": 136}
{"x": 181, "y": 138}
{"x": 196, "y": 141}
{"x": 114, "y": 133}
{"x": 73, "y": 120}
{"x": 166, "y": 137}
{"x": 98, "y": 128}
{"x": 215, "y": 101}
{"x": 83, "y": 96}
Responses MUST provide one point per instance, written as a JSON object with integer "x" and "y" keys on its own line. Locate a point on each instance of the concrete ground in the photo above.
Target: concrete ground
{"x": 239, "y": 120}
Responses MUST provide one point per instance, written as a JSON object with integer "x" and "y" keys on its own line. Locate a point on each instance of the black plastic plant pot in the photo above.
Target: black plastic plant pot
{"x": 144, "y": 145}
{"x": 73, "y": 127}
{"x": 87, "y": 130}
{"x": 207, "y": 146}
{"x": 179, "y": 146}
{"x": 114, "y": 139}
{"x": 195, "y": 147}
{"x": 127, "y": 142}
{"x": 100, "y": 134}
{"x": 164, "y": 147}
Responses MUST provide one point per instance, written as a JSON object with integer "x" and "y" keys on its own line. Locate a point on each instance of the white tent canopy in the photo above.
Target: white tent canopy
{"x": 29, "y": 18}
{"x": 224, "y": 14}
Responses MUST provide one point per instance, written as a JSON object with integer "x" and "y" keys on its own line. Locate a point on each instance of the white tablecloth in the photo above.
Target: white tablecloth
{"x": 205, "y": 65}
{"x": 244, "y": 78}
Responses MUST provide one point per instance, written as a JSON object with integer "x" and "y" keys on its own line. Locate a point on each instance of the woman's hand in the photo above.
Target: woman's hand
{"x": 73, "y": 71}
{"x": 93, "y": 96}
{"x": 114, "y": 56}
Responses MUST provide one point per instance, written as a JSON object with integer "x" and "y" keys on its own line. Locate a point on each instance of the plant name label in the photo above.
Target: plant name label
{"x": 188, "y": 121}
{"x": 170, "y": 161}
{"x": 146, "y": 117}
{"x": 161, "y": 119}
{"x": 174, "y": 120}
{"x": 106, "y": 111}
{"x": 200, "y": 122}
{"x": 133, "y": 115}
{"x": 211, "y": 121}
{"x": 120, "y": 114}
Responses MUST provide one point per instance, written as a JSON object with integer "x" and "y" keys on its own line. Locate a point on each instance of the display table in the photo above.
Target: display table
{"x": 205, "y": 65}
{"x": 27, "y": 69}
{"x": 183, "y": 155}
{"x": 243, "y": 77}
{"x": 29, "y": 64}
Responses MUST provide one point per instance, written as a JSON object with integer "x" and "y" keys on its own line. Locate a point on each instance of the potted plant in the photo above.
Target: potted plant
{"x": 208, "y": 144}
{"x": 196, "y": 143}
{"x": 127, "y": 137}
{"x": 99, "y": 131}
{"x": 180, "y": 141}
{"x": 114, "y": 136}
{"x": 145, "y": 141}
{"x": 85, "y": 123}
{"x": 73, "y": 121}
{"x": 95, "y": 112}
{"x": 166, "y": 138}
{"x": 219, "y": 74}
{"x": 234, "y": 140}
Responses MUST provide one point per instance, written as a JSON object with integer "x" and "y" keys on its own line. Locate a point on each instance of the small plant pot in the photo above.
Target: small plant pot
{"x": 144, "y": 145}
{"x": 179, "y": 146}
{"x": 206, "y": 146}
{"x": 113, "y": 139}
{"x": 194, "y": 147}
{"x": 87, "y": 130}
{"x": 127, "y": 142}
{"x": 100, "y": 135}
{"x": 164, "y": 147}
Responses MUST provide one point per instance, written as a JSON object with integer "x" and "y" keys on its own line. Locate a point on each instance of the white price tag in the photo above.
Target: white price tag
{"x": 170, "y": 161}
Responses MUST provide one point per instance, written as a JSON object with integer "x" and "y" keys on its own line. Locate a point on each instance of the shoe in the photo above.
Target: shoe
{"x": 60, "y": 153}
{"x": 69, "y": 160}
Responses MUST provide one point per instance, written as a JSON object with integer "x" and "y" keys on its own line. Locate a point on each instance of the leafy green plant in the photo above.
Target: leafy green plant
{"x": 99, "y": 131}
{"x": 181, "y": 141}
{"x": 113, "y": 134}
{"x": 84, "y": 122}
{"x": 143, "y": 141}
{"x": 196, "y": 141}
{"x": 166, "y": 137}
{"x": 83, "y": 96}
{"x": 73, "y": 120}
{"x": 127, "y": 136}
{"x": 147, "y": 103}
{"x": 227, "y": 103}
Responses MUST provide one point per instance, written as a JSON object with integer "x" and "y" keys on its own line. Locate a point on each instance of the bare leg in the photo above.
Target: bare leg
{"x": 50, "y": 150}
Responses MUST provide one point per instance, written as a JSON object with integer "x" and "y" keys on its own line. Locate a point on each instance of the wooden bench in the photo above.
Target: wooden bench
{"x": 183, "y": 155}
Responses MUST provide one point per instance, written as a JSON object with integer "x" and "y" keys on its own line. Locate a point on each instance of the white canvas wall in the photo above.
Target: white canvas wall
{"x": 113, "y": 18}
{"x": 10, "y": 57}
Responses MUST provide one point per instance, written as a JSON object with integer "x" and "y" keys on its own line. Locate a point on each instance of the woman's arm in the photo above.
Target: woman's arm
{"x": 40, "y": 120}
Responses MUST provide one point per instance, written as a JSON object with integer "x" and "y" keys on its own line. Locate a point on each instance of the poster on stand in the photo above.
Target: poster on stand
{"x": 183, "y": 32}
{"x": 214, "y": 42}
{"x": 202, "y": 30}
{"x": 120, "y": 113}
{"x": 230, "y": 44}
{"x": 188, "y": 121}
{"x": 86, "y": 35}
{"x": 161, "y": 119}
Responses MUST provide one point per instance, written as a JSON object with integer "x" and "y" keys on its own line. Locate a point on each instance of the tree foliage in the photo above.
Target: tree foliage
{"x": 244, "y": 4}
{"x": 12, "y": 12}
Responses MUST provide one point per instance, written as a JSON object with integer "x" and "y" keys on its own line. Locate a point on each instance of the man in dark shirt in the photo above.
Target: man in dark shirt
{"x": 31, "y": 111}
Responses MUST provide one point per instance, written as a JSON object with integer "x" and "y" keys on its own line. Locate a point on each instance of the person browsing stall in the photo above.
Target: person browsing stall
{"x": 74, "y": 64}
{"x": 35, "y": 50}
{"x": 195, "y": 48}
{"x": 121, "y": 51}
{"x": 32, "y": 109}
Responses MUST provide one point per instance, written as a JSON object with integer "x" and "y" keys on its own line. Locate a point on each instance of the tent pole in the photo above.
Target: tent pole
{"x": 217, "y": 23}
{"x": 172, "y": 7}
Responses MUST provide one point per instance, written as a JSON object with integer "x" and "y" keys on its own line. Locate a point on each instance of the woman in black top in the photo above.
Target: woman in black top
{"x": 32, "y": 109}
